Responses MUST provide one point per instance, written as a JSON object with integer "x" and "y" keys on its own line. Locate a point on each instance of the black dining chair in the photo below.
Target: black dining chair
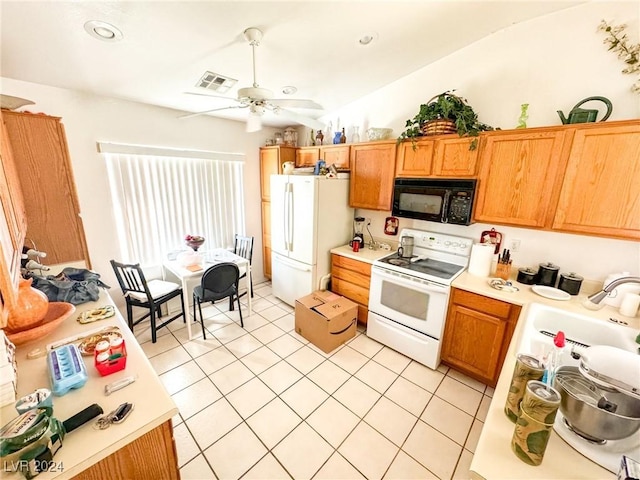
{"x": 218, "y": 282}
{"x": 243, "y": 246}
{"x": 149, "y": 295}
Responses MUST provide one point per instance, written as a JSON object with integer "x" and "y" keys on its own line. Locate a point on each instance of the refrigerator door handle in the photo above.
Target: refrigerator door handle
{"x": 295, "y": 265}
{"x": 285, "y": 214}
{"x": 289, "y": 220}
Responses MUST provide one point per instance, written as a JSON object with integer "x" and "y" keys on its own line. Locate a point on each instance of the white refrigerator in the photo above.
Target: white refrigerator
{"x": 310, "y": 215}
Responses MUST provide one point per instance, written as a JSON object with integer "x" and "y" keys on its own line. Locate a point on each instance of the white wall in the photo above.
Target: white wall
{"x": 90, "y": 118}
{"x": 551, "y": 63}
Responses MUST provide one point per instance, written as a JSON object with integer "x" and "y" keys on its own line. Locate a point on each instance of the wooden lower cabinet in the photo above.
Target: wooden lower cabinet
{"x": 477, "y": 334}
{"x": 351, "y": 278}
{"x": 150, "y": 457}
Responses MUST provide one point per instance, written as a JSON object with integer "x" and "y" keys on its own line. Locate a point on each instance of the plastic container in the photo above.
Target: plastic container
{"x": 113, "y": 363}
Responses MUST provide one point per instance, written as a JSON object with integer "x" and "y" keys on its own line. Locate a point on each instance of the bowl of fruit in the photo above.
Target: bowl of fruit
{"x": 194, "y": 241}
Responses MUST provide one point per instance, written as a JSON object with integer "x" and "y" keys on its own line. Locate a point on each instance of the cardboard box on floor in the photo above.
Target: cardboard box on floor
{"x": 325, "y": 319}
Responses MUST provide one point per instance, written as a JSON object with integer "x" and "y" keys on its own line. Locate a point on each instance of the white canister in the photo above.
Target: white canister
{"x": 629, "y": 305}
{"x": 614, "y": 298}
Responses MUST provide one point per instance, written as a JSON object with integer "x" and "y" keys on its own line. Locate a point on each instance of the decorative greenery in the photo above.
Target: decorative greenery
{"x": 628, "y": 53}
{"x": 445, "y": 106}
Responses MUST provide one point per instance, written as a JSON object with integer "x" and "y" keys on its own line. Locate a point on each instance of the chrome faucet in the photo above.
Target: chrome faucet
{"x": 592, "y": 302}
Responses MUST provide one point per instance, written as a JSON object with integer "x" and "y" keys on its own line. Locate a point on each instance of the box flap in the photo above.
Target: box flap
{"x": 332, "y": 309}
{"x": 311, "y": 300}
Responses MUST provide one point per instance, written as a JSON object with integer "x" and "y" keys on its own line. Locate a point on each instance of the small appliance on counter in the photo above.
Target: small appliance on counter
{"x": 600, "y": 407}
{"x": 358, "y": 231}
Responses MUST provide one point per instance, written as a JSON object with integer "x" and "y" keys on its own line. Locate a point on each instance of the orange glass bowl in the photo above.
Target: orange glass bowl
{"x": 57, "y": 313}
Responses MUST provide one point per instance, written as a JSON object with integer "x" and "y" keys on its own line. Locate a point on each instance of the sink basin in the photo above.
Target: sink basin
{"x": 543, "y": 322}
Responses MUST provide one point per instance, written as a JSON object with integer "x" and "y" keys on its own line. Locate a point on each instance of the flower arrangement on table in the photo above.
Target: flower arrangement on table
{"x": 194, "y": 241}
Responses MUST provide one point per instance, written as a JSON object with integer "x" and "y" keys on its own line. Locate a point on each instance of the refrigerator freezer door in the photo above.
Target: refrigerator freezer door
{"x": 291, "y": 279}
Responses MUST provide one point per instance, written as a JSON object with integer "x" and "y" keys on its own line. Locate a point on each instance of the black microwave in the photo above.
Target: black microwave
{"x": 442, "y": 200}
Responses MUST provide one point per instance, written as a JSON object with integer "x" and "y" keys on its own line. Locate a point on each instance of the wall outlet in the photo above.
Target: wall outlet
{"x": 514, "y": 245}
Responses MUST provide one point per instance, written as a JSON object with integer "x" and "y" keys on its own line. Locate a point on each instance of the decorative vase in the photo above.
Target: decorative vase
{"x": 336, "y": 137}
{"x": 30, "y": 307}
{"x": 524, "y": 115}
{"x": 355, "y": 138}
{"x": 195, "y": 242}
{"x": 319, "y": 138}
{"x": 343, "y": 136}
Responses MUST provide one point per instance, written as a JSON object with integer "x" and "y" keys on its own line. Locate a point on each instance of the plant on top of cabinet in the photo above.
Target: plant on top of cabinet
{"x": 444, "y": 113}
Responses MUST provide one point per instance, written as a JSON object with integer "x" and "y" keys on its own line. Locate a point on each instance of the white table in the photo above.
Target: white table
{"x": 211, "y": 257}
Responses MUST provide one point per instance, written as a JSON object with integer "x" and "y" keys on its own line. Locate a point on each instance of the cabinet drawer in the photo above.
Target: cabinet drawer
{"x": 350, "y": 276}
{"x": 351, "y": 291}
{"x": 349, "y": 264}
{"x": 481, "y": 303}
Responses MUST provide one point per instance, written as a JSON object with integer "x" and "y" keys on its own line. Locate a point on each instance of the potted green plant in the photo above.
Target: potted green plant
{"x": 444, "y": 113}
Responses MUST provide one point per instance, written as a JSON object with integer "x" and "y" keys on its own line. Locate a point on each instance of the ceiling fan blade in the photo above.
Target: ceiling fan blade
{"x": 301, "y": 119}
{"x": 195, "y": 114}
{"x": 295, "y": 103}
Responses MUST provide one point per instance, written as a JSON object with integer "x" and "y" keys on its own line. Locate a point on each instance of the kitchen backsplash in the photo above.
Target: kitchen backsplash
{"x": 591, "y": 257}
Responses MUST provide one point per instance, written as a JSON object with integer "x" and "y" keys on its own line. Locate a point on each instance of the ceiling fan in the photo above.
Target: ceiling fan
{"x": 258, "y": 100}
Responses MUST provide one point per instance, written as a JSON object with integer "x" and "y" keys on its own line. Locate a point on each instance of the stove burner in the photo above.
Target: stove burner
{"x": 399, "y": 262}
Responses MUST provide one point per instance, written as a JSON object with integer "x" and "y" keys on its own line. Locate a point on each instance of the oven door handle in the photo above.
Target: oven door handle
{"x": 403, "y": 279}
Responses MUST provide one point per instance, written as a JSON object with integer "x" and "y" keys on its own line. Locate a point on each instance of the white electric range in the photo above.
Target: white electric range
{"x": 408, "y": 297}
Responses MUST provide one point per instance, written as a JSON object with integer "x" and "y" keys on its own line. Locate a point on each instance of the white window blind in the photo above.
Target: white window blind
{"x": 159, "y": 198}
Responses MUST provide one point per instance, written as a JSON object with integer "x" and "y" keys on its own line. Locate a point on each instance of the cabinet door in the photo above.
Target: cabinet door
{"x": 452, "y": 157}
{"x": 477, "y": 334}
{"x": 307, "y": 156}
{"x": 266, "y": 238}
{"x": 414, "y": 159}
{"x": 44, "y": 168}
{"x": 372, "y": 171}
{"x": 337, "y": 155}
{"x": 269, "y": 165}
{"x": 601, "y": 190}
{"x": 520, "y": 177}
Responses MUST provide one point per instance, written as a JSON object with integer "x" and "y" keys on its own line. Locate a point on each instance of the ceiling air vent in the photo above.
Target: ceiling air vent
{"x": 215, "y": 82}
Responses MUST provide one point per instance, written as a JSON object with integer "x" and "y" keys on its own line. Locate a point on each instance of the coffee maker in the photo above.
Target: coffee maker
{"x": 358, "y": 231}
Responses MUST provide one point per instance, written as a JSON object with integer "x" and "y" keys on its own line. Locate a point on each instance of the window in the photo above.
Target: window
{"x": 159, "y": 196}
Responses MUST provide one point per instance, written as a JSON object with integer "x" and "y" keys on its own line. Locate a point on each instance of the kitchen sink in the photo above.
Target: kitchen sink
{"x": 543, "y": 322}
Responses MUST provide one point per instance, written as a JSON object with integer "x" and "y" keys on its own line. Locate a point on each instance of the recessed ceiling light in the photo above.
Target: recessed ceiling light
{"x": 367, "y": 39}
{"x": 103, "y": 31}
{"x": 289, "y": 90}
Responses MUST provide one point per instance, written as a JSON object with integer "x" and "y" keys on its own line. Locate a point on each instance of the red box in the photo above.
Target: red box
{"x": 111, "y": 366}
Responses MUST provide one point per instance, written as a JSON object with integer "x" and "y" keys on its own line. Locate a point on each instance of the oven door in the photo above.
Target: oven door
{"x": 418, "y": 304}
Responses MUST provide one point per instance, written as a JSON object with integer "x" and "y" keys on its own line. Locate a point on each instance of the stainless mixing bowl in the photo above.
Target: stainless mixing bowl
{"x": 617, "y": 417}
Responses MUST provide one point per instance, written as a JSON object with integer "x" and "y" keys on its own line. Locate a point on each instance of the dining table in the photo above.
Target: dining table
{"x": 190, "y": 277}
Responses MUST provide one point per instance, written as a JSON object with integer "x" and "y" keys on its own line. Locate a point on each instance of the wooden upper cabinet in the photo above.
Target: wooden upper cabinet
{"x": 45, "y": 173}
{"x": 414, "y": 159}
{"x": 453, "y": 158}
{"x": 520, "y": 177}
{"x": 271, "y": 160}
{"x": 307, "y": 156}
{"x": 372, "y": 173}
{"x": 442, "y": 156}
{"x": 337, "y": 155}
{"x": 601, "y": 190}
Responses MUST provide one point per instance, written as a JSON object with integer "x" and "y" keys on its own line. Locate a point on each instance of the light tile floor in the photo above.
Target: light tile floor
{"x": 264, "y": 403}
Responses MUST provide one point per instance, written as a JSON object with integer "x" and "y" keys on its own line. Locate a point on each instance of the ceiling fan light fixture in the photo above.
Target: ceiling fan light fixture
{"x": 254, "y": 123}
{"x": 103, "y": 31}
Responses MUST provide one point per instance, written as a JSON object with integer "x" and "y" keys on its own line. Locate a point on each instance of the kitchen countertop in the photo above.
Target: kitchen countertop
{"x": 493, "y": 457}
{"x": 364, "y": 254}
{"x": 86, "y": 446}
